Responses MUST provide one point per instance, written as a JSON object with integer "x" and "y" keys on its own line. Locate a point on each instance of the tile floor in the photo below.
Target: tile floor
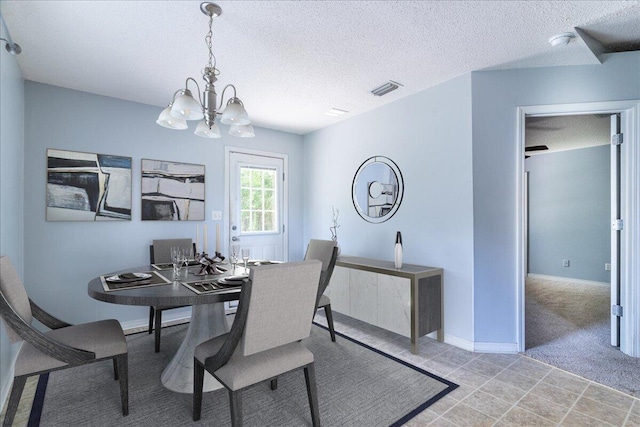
{"x": 500, "y": 389}
{"x": 495, "y": 389}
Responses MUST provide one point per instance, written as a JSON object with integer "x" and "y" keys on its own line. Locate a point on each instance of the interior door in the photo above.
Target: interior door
{"x": 616, "y": 226}
{"x": 257, "y": 208}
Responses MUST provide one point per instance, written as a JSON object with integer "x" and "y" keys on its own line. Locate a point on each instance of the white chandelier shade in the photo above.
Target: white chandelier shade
{"x": 165, "y": 119}
{"x": 242, "y": 131}
{"x": 205, "y": 131}
{"x": 235, "y": 114}
{"x": 185, "y": 107}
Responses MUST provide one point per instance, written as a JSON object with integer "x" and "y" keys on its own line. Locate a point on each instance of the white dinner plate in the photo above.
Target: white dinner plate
{"x": 230, "y": 281}
{"x": 139, "y": 276}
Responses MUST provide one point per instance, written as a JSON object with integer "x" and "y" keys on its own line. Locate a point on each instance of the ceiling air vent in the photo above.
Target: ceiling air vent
{"x": 390, "y": 86}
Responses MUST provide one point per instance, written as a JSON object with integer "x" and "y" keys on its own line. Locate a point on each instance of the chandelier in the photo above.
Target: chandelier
{"x": 185, "y": 107}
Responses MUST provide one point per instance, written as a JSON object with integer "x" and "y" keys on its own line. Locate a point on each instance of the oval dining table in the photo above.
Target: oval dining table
{"x": 208, "y": 317}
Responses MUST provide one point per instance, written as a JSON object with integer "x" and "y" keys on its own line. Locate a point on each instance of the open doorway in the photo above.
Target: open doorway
{"x": 567, "y": 287}
{"x": 566, "y": 244}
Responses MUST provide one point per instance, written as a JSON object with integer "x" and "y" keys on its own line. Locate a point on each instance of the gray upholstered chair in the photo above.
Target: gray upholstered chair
{"x": 160, "y": 252}
{"x": 65, "y": 346}
{"x": 327, "y": 252}
{"x": 274, "y": 314}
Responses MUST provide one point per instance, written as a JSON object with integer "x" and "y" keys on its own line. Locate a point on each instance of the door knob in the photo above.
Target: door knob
{"x": 234, "y": 238}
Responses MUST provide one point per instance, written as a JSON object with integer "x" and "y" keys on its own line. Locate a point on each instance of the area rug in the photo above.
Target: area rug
{"x": 357, "y": 386}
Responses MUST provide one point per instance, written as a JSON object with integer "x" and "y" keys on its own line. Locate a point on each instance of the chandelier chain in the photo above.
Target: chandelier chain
{"x": 209, "y": 41}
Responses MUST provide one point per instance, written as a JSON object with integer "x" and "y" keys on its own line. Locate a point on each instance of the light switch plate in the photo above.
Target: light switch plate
{"x": 216, "y": 215}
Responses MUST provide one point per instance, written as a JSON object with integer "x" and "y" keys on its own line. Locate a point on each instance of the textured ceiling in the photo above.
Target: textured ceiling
{"x": 292, "y": 61}
{"x": 562, "y": 133}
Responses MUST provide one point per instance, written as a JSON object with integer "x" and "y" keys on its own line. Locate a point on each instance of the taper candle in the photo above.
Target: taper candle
{"x": 218, "y": 238}
{"x": 205, "y": 239}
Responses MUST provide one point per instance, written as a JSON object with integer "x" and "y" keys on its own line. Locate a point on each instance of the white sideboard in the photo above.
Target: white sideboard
{"x": 407, "y": 301}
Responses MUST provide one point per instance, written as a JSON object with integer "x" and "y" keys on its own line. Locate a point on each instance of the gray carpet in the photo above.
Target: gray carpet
{"x": 356, "y": 387}
{"x": 567, "y": 326}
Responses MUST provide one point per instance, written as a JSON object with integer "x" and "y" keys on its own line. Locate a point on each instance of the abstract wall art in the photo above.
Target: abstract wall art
{"x": 172, "y": 191}
{"x": 87, "y": 186}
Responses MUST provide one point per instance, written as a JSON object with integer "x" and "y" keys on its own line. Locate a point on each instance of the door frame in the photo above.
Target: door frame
{"x": 630, "y": 178}
{"x": 285, "y": 193}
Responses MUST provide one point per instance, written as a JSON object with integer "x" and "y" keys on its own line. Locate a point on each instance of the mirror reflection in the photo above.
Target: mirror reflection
{"x": 377, "y": 189}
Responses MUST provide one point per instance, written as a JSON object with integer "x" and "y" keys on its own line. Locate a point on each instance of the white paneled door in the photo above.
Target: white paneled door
{"x": 257, "y": 216}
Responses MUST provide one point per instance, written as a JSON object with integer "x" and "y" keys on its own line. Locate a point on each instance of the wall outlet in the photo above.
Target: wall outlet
{"x": 607, "y": 267}
{"x": 216, "y": 215}
{"x": 565, "y": 263}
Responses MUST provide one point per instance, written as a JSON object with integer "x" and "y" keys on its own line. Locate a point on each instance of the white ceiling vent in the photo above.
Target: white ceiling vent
{"x": 390, "y": 86}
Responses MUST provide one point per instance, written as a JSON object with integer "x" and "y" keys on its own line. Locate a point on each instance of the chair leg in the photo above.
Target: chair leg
{"x": 235, "y": 403}
{"x": 151, "y": 316}
{"x": 14, "y": 400}
{"x": 158, "y": 329}
{"x": 274, "y": 383}
{"x": 115, "y": 369}
{"x": 329, "y": 315}
{"x": 198, "y": 381}
{"x": 122, "y": 362}
{"x": 310, "y": 379}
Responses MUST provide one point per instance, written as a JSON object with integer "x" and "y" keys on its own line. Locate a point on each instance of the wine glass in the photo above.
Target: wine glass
{"x": 176, "y": 260}
{"x": 187, "y": 255}
{"x": 235, "y": 249}
{"x": 245, "y": 257}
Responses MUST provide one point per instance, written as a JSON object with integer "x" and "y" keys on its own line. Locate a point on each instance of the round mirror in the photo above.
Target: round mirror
{"x": 377, "y": 189}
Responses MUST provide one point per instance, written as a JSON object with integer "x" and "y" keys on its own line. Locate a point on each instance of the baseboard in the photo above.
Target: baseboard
{"x": 169, "y": 318}
{"x": 567, "y": 279}
{"x": 458, "y": 342}
{"x": 495, "y": 347}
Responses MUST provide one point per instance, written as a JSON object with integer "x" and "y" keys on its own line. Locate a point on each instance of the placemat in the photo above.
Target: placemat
{"x": 155, "y": 280}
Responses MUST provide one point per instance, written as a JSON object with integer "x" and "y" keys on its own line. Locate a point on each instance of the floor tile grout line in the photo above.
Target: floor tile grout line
{"x": 525, "y": 395}
{"x": 573, "y": 406}
{"x": 478, "y": 389}
{"x": 582, "y": 378}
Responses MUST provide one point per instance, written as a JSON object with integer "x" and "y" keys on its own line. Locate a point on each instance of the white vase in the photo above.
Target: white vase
{"x": 398, "y": 250}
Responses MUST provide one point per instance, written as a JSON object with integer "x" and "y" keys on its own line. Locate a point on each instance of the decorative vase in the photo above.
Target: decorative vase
{"x": 398, "y": 250}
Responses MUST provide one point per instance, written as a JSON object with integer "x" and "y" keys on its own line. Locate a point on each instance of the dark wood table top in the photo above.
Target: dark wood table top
{"x": 168, "y": 295}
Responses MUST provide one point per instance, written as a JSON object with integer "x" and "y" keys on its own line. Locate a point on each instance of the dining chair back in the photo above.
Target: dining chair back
{"x": 16, "y": 296}
{"x": 62, "y": 347}
{"x": 327, "y": 252}
{"x": 160, "y": 252}
{"x": 274, "y": 314}
{"x": 279, "y": 290}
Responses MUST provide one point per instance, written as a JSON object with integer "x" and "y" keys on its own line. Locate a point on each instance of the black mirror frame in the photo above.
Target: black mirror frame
{"x": 396, "y": 170}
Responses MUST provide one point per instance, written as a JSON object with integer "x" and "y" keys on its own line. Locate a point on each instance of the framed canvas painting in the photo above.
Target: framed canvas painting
{"x": 172, "y": 191}
{"x": 87, "y": 186}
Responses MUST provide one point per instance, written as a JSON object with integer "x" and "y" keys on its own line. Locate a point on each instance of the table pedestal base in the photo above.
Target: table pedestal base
{"x": 207, "y": 321}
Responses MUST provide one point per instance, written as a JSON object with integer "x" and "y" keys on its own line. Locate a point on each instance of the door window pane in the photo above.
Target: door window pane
{"x": 258, "y": 200}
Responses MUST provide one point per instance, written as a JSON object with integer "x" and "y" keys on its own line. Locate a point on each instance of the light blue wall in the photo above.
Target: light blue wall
{"x": 569, "y": 213}
{"x": 64, "y": 256}
{"x": 11, "y": 185}
{"x": 496, "y": 96}
{"x": 428, "y": 135}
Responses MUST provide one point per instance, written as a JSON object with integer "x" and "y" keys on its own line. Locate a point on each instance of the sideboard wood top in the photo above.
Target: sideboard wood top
{"x": 387, "y": 267}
